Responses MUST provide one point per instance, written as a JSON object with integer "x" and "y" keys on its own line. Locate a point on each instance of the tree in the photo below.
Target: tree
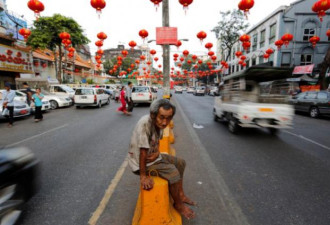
{"x": 229, "y": 29}
{"x": 324, "y": 66}
{"x": 45, "y": 34}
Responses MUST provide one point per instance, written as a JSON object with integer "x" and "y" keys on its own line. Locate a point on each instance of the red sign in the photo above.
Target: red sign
{"x": 166, "y": 35}
{"x": 303, "y": 69}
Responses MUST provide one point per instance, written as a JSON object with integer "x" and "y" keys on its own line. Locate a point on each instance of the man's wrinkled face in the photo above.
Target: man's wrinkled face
{"x": 164, "y": 118}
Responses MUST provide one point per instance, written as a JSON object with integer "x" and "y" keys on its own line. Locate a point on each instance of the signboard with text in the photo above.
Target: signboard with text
{"x": 12, "y": 59}
{"x": 303, "y": 69}
{"x": 166, "y": 35}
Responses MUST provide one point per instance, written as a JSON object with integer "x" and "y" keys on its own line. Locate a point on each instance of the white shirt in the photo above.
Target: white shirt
{"x": 9, "y": 97}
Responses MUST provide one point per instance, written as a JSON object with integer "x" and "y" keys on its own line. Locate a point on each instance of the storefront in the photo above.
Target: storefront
{"x": 14, "y": 62}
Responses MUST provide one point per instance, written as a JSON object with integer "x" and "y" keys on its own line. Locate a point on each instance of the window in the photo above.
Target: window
{"x": 286, "y": 59}
{"x": 84, "y": 92}
{"x": 272, "y": 33}
{"x": 58, "y": 89}
{"x": 254, "y": 61}
{"x": 255, "y": 42}
{"x": 140, "y": 89}
{"x": 322, "y": 96}
{"x": 311, "y": 95}
{"x": 301, "y": 95}
{"x": 261, "y": 59}
{"x": 262, "y": 38}
{"x": 99, "y": 91}
{"x": 306, "y": 59}
{"x": 308, "y": 33}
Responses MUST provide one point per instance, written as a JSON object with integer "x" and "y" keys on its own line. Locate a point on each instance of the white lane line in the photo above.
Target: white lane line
{"x": 108, "y": 193}
{"x": 307, "y": 139}
{"x": 38, "y": 135}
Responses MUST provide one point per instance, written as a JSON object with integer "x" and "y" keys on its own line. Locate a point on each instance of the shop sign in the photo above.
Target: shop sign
{"x": 15, "y": 60}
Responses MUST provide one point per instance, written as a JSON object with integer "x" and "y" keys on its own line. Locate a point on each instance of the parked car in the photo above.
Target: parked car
{"x": 178, "y": 89}
{"x": 61, "y": 90}
{"x": 312, "y": 102}
{"x": 21, "y": 108}
{"x": 190, "y": 90}
{"x": 184, "y": 88}
{"x": 91, "y": 97}
{"x": 199, "y": 91}
{"x": 18, "y": 182}
{"x": 143, "y": 94}
{"x": 214, "y": 91}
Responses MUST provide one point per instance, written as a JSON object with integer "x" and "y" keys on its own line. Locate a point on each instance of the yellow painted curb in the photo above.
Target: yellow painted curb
{"x": 154, "y": 207}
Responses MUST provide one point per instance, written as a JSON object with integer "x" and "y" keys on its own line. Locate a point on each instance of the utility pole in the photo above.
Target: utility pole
{"x": 166, "y": 52}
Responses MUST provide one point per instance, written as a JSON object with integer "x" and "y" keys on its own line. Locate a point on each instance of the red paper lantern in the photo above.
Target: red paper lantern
{"x": 64, "y": 35}
{"x": 148, "y": 63}
{"x": 286, "y": 38}
{"x": 143, "y": 34}
{"x": 156, "y": 59}
{"x": 70, "y": 54}
{"x": 185, "y": 53}
{"x": 189, "y": 61}
{"x": 320, "y": 7}
{"x": 246, "y": 45}
{"x": 238, "y": 54}
{"x": 244, "y": 38}
{"x": 181, "y": 59}
{"x": 44, "y": 65}
{"x": 314, "y": 40}
{"x": 97, "y": 57}
{"x": 156, "y": 3}
{"x": 244, "y": 64}
{"x": 201, "y": 36}
{"x": 119, "y": 58}
{"x": 132, "y": 66}
{"x": 179, "y": 64}
{"x": 142, "y": 57}
{"x": 269, "y": 51}
{"x": 98, "y": 5}
{"x": 175, "y": 55}
{"x": 211, "y": 53}
{"x": 124, "y": 53}
{"x": 279, "y": 44}
{"x": 194, "y": 57}
{"x": 71, "y": 49}
{"x": 266, "y": 56}
{"x": 100, "y": 52}
{"x": 246, "y": 5}
{"x": 328, "y": 33}
{"x": 99, "y": 43}
{"x": 102, "y": 36}
{"x": 160, "y": 66}
{"x": 209, "y": 46}
{"x": 132, "y": 44}
{"x": 66, "y": 42}
{"x": 214, "y": 58}
{"x": 178, "y": 44}
{"x": 243, "y": 57}
{"x": 200, "y": 62}
{"x": 153, "y": 52}
{"x": 25, "y": 33}
{"x": 36, "y": 6}
{"x": 185, "y": 4}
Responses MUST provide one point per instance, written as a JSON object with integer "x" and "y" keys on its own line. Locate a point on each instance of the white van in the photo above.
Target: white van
{"x": 62, "y": 90}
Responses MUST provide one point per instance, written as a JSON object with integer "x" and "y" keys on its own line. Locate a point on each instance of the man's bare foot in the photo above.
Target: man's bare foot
{"x": 186, "y": 200}
{"x": 185, "y": 211}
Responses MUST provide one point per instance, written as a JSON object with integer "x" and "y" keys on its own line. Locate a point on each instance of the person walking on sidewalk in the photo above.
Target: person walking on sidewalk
{"x": 144, "y": 155}
{"x": 123, "y": 102}
{"x": 37, "y": 98}
{"x": 8, "y": 103}
{"x": 128, "y": 98}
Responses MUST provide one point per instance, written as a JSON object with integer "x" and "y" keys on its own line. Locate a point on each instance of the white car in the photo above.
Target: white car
{"x": 199, "y": 91}
{"x": 178, "y": 90}
{"x": 91, "y": 97}
{"x": 61, "y": 90}
{"x": 190, "y": 90}
{"x": 22, "y": 97}
{"x": 143, "y": 94}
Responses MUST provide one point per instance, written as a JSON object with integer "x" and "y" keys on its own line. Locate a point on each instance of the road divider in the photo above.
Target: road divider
{"x": 155, "y": 206}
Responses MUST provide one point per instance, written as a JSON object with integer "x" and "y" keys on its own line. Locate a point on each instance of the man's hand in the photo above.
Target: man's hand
{"x": 152, "y": 157}
{"x": 147, "y": 183}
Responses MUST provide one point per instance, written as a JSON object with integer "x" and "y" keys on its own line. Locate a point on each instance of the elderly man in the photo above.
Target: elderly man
{"x": 145, "y": 155}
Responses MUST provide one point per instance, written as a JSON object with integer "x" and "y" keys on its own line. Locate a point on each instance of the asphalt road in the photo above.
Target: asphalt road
{"x": 251, "y": 178}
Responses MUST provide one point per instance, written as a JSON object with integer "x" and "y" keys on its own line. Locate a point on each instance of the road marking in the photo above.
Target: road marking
{"x": 38, "y": 135}
{"x": 108, "y": 193}
{"x": 230, "y": 206}
{"x": 307, "y": 139}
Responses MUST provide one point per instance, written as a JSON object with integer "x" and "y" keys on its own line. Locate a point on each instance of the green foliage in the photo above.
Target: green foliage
{"x": 229, "y": 29}
{"x": 46, "y": 30}
{"x": 90, "y": 81}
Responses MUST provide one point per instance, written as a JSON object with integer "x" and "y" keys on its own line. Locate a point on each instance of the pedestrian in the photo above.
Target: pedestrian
{"x": 123, "y": 101}
{"x": 128, "y": 98}
{"x": 8, "y": 103}
{"x": 37, "y": 98}
{"x": 144, "y": 155}
{"x": 28, "y": 93}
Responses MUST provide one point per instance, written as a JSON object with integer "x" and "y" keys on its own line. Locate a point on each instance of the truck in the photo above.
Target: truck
{"x": 247, "y": 99}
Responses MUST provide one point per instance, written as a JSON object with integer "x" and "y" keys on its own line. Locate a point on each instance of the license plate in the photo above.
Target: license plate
{"x": 140, "y": 94}
{"x": 266, "y": 110}
{"x": 22, "y": 112}
{"x": 83, "y": 97}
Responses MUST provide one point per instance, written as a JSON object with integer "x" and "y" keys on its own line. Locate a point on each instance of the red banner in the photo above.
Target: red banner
{"x": 303, "y": 69}
{"x": 166, "y": 35}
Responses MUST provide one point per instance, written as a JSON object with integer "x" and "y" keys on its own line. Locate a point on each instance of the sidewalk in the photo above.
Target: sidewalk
{"x": 202, "y": 183}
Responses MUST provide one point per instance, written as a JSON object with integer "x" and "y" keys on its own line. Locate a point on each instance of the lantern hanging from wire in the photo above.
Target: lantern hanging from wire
{"x": 36, "y": 6}
{"x": 185, "y": 4}
{"x": 156, "y": 3}
{"x": 279, "y": 44}
{"x": 286, "y": 38}
{"x": 143, "y": 34}
{"x": 201, "y": 36}
{"x": 209, "y": 45}
{"x": 246, "y": 5}
{"x": 102, "y": 36}
{"x": 314, "y": 40}
{"x": 98, "y": 5}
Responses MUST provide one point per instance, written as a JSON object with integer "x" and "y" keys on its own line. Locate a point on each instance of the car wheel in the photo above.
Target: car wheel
{"x": 273, "y": 131}
{"x": 53, "y": 104}
{"x": 314, "y": 112}
{"x": 99, "y": 105}
{"x": 11, "y": 200}
{"x": 215, "y": 117}
{"x": 233, "y": 126}
{"x": 77, "y": 107}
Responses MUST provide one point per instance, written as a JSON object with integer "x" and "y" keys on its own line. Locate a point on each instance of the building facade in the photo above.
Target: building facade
{"x": 296, "y": 19}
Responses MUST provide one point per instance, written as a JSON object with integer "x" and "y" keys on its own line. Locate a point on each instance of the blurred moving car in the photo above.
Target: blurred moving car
{"x": 214, "y": 91}
{"x": 199, "y": 91}
{"x": 18, "y": 182}
{"x": 178, "y": 89}
{"x": 312, "y": 102}
{"x": 190, "y": 90}
{"x": 91, "y": 97}
{"x": 143, "y": 94}
{"x": 21, "y": 108}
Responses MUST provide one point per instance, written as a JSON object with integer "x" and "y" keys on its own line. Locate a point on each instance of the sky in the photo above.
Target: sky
{"x": 122, "y": 20}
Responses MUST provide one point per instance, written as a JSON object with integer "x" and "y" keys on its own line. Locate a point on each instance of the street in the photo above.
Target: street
{"x": 250, "y": 178}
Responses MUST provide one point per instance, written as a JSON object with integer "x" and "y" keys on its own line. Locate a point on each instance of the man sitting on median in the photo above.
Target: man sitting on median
{"x": 145, "y": 156}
